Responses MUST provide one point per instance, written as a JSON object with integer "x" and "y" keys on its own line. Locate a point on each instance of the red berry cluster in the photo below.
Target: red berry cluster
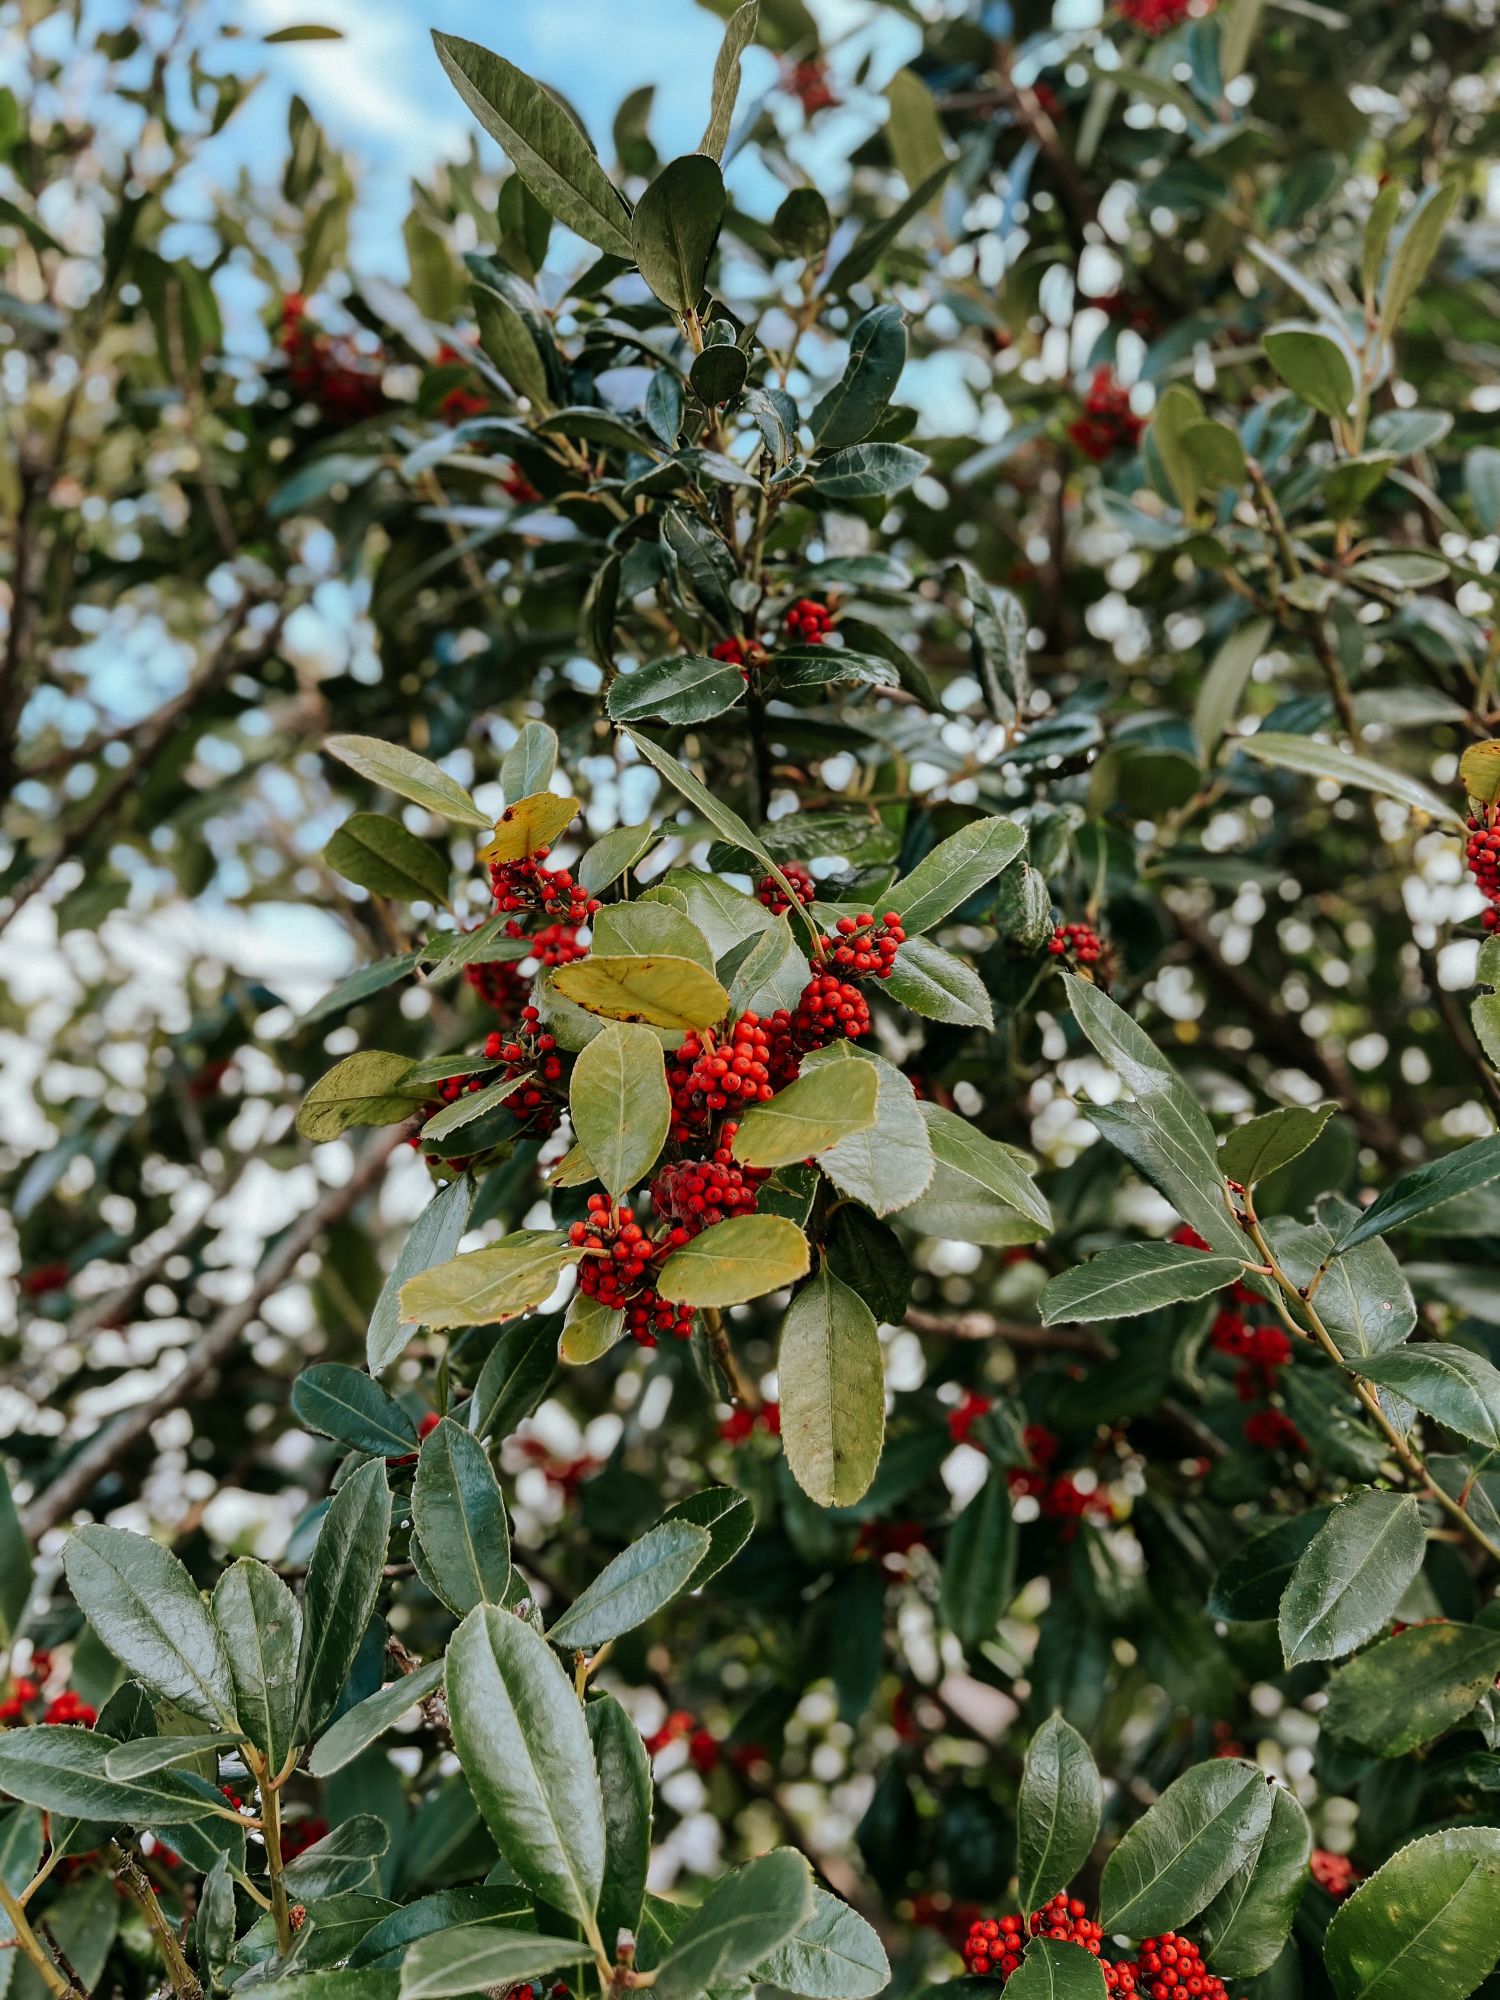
{"x": 618, "y": 1268}
{"x": 534, "y": 1105}
{"x": 741, "y": 1424}
{"x": 1080, "y": 942}
{"x": 703, "y": 1745}
{"x": 1273, "y": 1430}
{"x": 1165, "y": 1968}
{"x": 460, "y": 401}
{"x": 799, "y": 880}
{"x": 808, "y": 621}
{"x": 27, "y": 1688}
{"x": 500, "y": 984}
{"x": 962, "y": 1419}
{"x": 1335, "y": 1874}
{"x": 1483, "y": 856}
{"x": 742, "y": 653}
{"x": 1156, "y": 17}
{"x": 1262, "y": 1351}
{"x": 829, "y": 1008}
{"x": 699, "y": 1193}
{"x": 526, "y": 885}
{"x": 707, "y": 1076}
{"x": 344, "y": 380}
{"x": 566, "y": 1474}
{"x": 1058, "y": 1495}
{"x": 1107, "y": 421}
{"x": 808, "y": 83}
{"x": 301, "y": 1834}
{"x": 862, "y": 948}
{"x": 44, "y": 1278}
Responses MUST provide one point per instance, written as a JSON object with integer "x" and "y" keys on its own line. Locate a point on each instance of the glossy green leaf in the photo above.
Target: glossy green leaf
{"x": 1057, "y": 1811}
{"x": 854, "y": 405}
{"x": 682, "y": 689}
{"x": 809, "y": 1116}
{"x": 625, "y": 1783}
{"x": 729, "y": 1519}
{"x": 1245, "y": 1927}
{"x": 834, "y": 1955}
{"x": 747, "y": 1916}
{"x": 1343, "y": 767}
{"x": 1251, "y": 1583}
{"x": 1424, "y": 1187}
{"x": 620, "y": 1105}
{"x": 541, "y": 141}
{"x": 508, "y": 341}
{"x": 955, "y": 870}
{"x": 1056, "y": 1971}
{"x": 888, "y": 1164}
{"x": 940, "y": 987}
{"x": 343, "y": 1584}
{"x": 480, "y": 1958}
{"x": 1355, "y": 1571}
{"x": 1453, "y": 1384}
{"x": 1426, "y": 1923}
{"x": 832, "y": 1383}
{"x": 149, "y": 1613}
{"x": 409, "y": 776}
{"x": 380, "y": 855}
{"x": 641, "y": 1580}
{"x": 460, "y": 1517}
{"x": 524, "y": 1747}
{"x": 867, "y": 471}
{"x": 675, "y": 227}
{"x": 61, "y": 1769}
{"x": 1171, "y": 1864}
{"x": 345, "y": 1404}
{"x": 1407, "y": 1690}
{"x": 612, "y": 853}
{"x": 1136, "y": 1278}
{"x": 358, "y": 1727}
{"x": 260, "y": 1624}
{"x": 979, "y": 1564}
{"x": 1261, "y": 1145}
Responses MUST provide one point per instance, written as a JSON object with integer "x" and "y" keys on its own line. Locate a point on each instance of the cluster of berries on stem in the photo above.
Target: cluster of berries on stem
{"x": 461, "y": 400}
{"x": 1082, "y": 945}
{"x": 1106, "y": 422}
{"x": 1168, "y": 1967}
{"x": 1483, "y": 856}
{"x": 329, "y": 369}
{"x": 619, "y": 1268}
{"x": 808, "y": 622}
{"x": 862, "y": 948}
{"x": 534, "y": 1106}
{"x": 1262, "y": 1351}
{"x": 525, "y": 885}
{"x": 797, "y": 878}
{"x": 1058, "y": 1495}
{"x": 1158, "y": 17}
{"x": 808, "y": 82}
{"x": 746, "y": 654}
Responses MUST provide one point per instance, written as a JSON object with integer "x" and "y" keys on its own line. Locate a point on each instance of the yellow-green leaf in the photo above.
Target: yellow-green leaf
{"x": 666, "y": 992}
{"x": 736, "y": 1260}
{"x": 527, "y": 825}
{"x": 620, "y": 1105}
{"x": 494, "y": 1283}
{"x": 815, "y": 1112}
{"x": 361, "y": 1090}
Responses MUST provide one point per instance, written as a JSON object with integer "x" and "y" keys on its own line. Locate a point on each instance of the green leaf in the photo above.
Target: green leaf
{"x": 667, "y": 992}
{"x": 650, "y": 930}
{"x": 1056, "y": 1971}
{"x": 856, "y": 402}
{"x": 1424, "y": 1187}
{"x": 867, "y": 471}
{"x": 833, "y": 1955}
{"x": 542, "y": 143}
{"x": 807, "y": 1117}
{"x": 524, "y": 1747}
{"x": 932, "y": 982}
{"x": 360, "y": 985}
{"x": 1178, "y": 409}
{"x": 972, "y": 1164}
{"x": 343, "y": 1584}
{"x": 381, "y": 856}
{"x": 1426, "y": 1923}
{"x": 1415, "y": 250}
{"x": 1245, "y": 1927}
{"x": 1454, "y": 1384}
{"x": 260, "y": 1623}
{"x": 802, "y": 225}
{"x": 1164, "y": 1133}
{"x": 432, "y": 1239}
{"x": 1314, "y": 367}
{"x": 734, "y": 1261}
{"x": 360, "y": 1090}
{"x": 1058, "y": 1810}
{"x": 1482, "y": 484}
{"x": 1171, "y": 1864}
{"x": 1343, "y": 767}
{"x": 1251, "y": 1583}
{"x": 914, "y": 130}
{"x": 1363, "y": 1300}
{"x": 507, "y": 340}
{"x": 1227, "y": 677}
{"x": 332, "y": 1983}
{"x": 832, "y": 1383}
{"x": 482, "y": 1958}
{"x": 527, "y": 767}
{"x": 147, "y": 1610}
{"x": 634, "y": 1587}
{"x": 590, "y": 1329}
{"x": 889, "y": 1164}
{"x": 682, "y": 689}
{"x": 460, "y": 1518}
{"x": 1407, "y": 1690}
{"x": 514, "y": 1378}
{"x": 1356, "y": 1570}
{"x": 494, "y": 1283}
{"x": 61, "y": 1769}
{"x": 343, "y": 1403}
{"x": 407, "y": 775}
{"x": 1215, "y": 451}
{"x": 625, "y": 1784}
{"x": 738, "y": 36}
{"x": 358, "y": 1727}
{"x": 464, "y": 1110}
{"x": 1261, "y": 1145}
{"x": 620, "y": 1105}
{"x": 612, "y": 853}
{"x": 148, "y": 1754}
{"x": 729, "y": 1520}
{"x": 675, "y": 228}
{"x": 748, "y": 1915}
{"x": 955, "y": 870}
{"x": 1135, "y": 1278}
{"x": 979, "y": 1564}
{"x": 871, "y": 244}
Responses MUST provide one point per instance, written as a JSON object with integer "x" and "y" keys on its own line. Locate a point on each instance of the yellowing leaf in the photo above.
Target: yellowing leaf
{"x": 828, "y": 1104}
{"x": 736, "y": 1260}
{"x": 527, "y": 825}
{"x": 1479, "y": 767}
{"x": 361, "y": 1090}
{"x": 591, "y": 1329}
{"x": 494, "y": 1283}
{"x": 666, "y": 992}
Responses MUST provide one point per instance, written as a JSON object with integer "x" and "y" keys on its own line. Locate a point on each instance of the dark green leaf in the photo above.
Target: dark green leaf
{"x": 625, "y": 1784}
{"x": 1136, "y": 1278}
{"x": 867, "y": 471}
{"x": 1259, "y": 1147}
{"x": 343, "y": 1583}
{"x": 854, "y": 405}
{"x": 1426, "y": 1923}
{"x": 634, "y": 1587}
{"x": 460, "y": 1517}
{"x": 749, "y": 1914}
{"x": 1356, "y": 1570}
{"x": 1171, "y": 1864}
{"x": 683, "y": 690}
{"x": 835, "y": 1955}
{"x": 345, "y": 1404}
{"x": 1245, "y": 1927}
{"x": 260, "y": 1623}
{"x": 148, "y": 1612}
{"x": 675, "y": 227}
{"x": 1424, "y": 1187}
{"x": 380, "y": 855}
{"x": 1409, "y": 1689}
{"x": 1058, "y": 1810}
{"x": 358, "y": 1727}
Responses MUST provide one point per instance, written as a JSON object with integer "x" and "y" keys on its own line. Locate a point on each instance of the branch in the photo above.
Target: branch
{"x": 1014, "y": 1333}
{"x": 108, "y": 1447}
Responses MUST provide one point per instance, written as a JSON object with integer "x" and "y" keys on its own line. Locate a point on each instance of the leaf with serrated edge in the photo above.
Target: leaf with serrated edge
{"x": 632, "y": 1588}
{"x": 666, "y": 992}
{"x": 1356, "y": 1570}
{"x": 1135, "y": 1278}
{"x": 146, "y": 1609}
{"x": 620, "y": 1105}
{"x": 1174, "y": 1861}
{"x": 1057, "y": 1812}
{"x": 1427, "y": 1923}
{"x": 459, "y": 1514}
{"x": 494, "y": 1283}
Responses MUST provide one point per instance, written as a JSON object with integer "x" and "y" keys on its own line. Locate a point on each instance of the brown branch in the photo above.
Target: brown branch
{"x": 1014, "y": 1333}
{"x": 105, "y": 1450}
